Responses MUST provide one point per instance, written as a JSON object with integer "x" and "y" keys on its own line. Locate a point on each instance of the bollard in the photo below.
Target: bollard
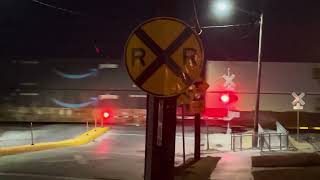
{"x": 208, "y": 145}
{"x": 87, "y": 125}
{"x": 269, "y": 142}
{"x": 240, "y": 142}
{"x": 280, "y": 142}
{"x": 31, "y": 131}
{"x": 287, "y": 135}
{"x": 231, "y": 141}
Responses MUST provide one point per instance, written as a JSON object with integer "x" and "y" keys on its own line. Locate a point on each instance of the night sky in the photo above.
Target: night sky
{"x": 30, "y": 30}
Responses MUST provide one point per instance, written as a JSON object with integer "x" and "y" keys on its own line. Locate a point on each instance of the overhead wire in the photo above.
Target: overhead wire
{"x": 196, "y": 16}
{"x": 57, "y": 8}
{"x": 98, "y": 50}
{"x": 226, "y": 26}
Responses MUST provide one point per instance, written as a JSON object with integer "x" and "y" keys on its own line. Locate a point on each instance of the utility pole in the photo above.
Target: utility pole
{"x": 257, "y": 106}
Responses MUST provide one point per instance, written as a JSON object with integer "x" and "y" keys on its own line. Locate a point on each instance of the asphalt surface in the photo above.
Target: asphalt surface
{"x": 117, "y": 155}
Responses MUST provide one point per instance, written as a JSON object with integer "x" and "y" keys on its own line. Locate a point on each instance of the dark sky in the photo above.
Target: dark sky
{"x": 28, "y": 29}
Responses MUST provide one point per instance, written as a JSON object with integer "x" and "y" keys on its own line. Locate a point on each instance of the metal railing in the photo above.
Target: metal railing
{"x": 241, "y": 141}
{"x": 266, "y": 141}
{"x": 273, "y": 141}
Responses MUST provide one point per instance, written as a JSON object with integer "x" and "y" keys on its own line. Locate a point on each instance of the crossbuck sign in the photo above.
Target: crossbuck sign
{"x": 229, "y": 84}
{"x": 298, "y": 102}
{"x": 164, "y": 56}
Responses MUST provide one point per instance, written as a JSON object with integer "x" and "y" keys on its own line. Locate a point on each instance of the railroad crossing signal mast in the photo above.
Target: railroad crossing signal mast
{"x": 163, "y": 56}
{"x": 298, "y": 104}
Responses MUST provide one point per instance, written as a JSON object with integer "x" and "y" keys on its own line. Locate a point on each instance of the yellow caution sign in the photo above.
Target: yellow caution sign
{"x": 164, "y": 56}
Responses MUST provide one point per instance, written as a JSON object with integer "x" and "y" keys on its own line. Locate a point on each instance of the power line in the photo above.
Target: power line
{"x": 57, "y": 8}
{"x": 226, "y": 26}
{"x": 196, "y": 16}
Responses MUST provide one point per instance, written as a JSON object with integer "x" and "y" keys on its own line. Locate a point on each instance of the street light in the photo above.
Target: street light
{"x": 222, "y": 8}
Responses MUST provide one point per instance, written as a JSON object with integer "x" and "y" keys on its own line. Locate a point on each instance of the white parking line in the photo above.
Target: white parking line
{"x": 120, "y": 134}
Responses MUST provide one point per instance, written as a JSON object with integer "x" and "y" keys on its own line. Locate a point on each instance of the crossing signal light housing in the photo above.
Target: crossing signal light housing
{"x": 106, "y": 114}
{"x": 228, "y": 98}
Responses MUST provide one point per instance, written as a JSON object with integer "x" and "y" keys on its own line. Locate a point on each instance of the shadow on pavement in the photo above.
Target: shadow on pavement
{"x": 287, "y": 160}
{"x": 309, "y": 173}
{"x": 196, "y": 170}
{"x": 290, "y": 166}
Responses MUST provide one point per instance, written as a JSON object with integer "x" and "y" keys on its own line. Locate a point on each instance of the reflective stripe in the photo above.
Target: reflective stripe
{"x": 137, "y": 95}
{"x": 108, "y": 96}
{"x": 28, "y": 94}
{"x": 28, "y": 84}
{"x": 108, "y": 66}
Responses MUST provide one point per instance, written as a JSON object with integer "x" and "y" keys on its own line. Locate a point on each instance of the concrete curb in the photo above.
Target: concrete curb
{"x": 79, "y": 140}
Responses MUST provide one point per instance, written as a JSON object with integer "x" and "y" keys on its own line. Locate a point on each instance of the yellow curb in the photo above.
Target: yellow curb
{"x": 79, "y": 140}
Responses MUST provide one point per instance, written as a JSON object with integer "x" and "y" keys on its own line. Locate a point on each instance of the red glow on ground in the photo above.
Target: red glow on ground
{"x": 103, "y": 147}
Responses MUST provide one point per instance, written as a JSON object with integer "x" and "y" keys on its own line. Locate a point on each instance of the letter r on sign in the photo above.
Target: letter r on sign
{"x": 189, "y": 54}
{"x": 138, "y": 54}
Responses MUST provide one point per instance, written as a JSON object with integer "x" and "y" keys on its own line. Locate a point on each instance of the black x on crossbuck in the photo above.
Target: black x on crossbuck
{"x": 163, "y": 56}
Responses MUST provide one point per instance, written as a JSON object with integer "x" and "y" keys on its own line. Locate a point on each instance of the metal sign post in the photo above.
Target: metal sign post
{"x": 183, "y": 139}
{"x": 208, "y": 141}
{"x": 31, "y": 132}
{"x": 197, "y": 136}
{"x": 163, "y": 56}
{"x": 298, "y": 105}
{"x": 160, "y": 138}
{"x": 198, "y": 106}
{"x": 229, "y": 86}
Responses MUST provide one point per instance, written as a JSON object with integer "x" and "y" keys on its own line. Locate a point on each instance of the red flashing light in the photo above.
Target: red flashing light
{"x": 225, "y": 98}
{"x": 106, "y": 115}
{"x": 228, "y": 98}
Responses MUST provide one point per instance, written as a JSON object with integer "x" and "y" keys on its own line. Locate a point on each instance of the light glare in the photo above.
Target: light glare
{"x": 106, "y": 114}
{"x": 221, "y": 8}
{"x": 225, "y": 98}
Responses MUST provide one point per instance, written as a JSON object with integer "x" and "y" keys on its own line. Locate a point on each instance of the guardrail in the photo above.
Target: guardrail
{"x": 266, "y": 141}
{"x": 241, "y": 141}
{"x": 273, "y": 141}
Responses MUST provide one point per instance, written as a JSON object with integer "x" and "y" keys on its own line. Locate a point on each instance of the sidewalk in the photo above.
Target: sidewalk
{"x": 234, "y": 166}
{"x": 301, "y": 146}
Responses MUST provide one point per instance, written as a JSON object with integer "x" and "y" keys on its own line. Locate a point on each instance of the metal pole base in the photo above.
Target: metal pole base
{"x": 160, "y": 138}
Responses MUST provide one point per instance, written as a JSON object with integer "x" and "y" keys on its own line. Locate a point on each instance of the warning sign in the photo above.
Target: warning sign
{"x": 164, "y": 56}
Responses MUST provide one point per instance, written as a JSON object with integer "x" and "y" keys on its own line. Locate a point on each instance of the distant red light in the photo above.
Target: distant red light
{"x": 225, "y": 98}
{"x": 106, "y": 115}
